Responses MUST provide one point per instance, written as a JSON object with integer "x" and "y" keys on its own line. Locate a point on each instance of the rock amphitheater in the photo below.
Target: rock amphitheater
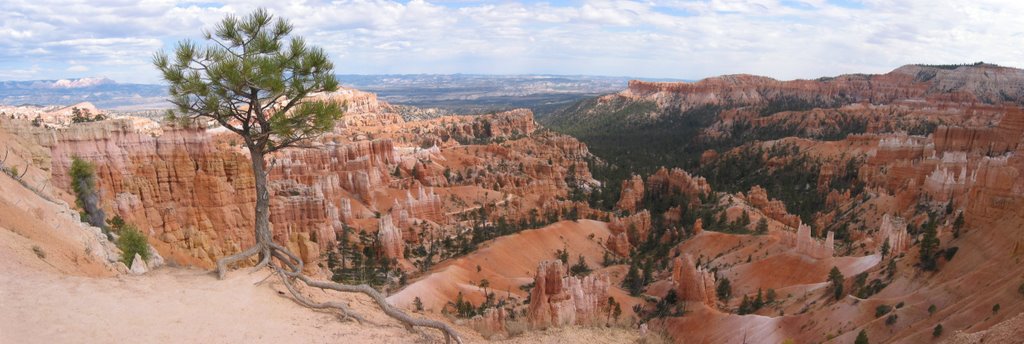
{"x": 488, "y": 223}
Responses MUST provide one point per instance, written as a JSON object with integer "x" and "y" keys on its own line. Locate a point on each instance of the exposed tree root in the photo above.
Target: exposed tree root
{"x": 223, "y": 263}
{"x": 302, "y": 300}
{"x": 271, "y": 274}
{"x": 265, "y": 260}
{"x": 292, "y": 269}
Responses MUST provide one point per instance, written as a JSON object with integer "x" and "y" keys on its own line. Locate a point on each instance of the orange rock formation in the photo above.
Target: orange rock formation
{"x": 693, "y": 283}
{"x": 558, "y": 300}
{"x": 774, "y": 209}
{"x": 632, "y": 194}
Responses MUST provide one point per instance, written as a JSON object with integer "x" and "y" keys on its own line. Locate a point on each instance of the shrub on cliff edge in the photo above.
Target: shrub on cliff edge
{"x": 130, "y": 242}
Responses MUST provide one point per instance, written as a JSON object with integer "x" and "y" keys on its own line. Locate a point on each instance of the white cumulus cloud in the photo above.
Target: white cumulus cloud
{"x": 78, "y": 69}
{"x": 664, "y": 38}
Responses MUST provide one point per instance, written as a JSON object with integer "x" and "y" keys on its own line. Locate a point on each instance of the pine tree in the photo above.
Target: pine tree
{"x": 724, "y": 289}
{"x": 759, "y": 301}
{"x": 762, "y": 226}
{"x": 647, "y": 272}
{"x": 580, "y": 268}
{"x": 745, "y": 305}
{"x": 929, "y": 245}
{"x": 633, "y": 282}
{"x": 253, "y": 79}
{"x": 836, "y": 279}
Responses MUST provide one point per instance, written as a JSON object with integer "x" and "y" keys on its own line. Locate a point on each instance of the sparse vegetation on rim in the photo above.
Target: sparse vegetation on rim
{"x": 131, "y": 242}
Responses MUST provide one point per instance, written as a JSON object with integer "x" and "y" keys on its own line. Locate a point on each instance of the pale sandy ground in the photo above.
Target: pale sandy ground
{"x": 167, "y": 306}
{"x": 174, "y": 305}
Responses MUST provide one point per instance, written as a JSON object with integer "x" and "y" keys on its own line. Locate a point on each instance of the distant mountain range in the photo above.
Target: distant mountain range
{"x": 103, "y": 92}
{"x": 456, "y": 93}
{"x": 476, "y": 93}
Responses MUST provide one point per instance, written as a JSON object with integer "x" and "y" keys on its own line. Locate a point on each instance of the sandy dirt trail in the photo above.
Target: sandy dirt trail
{"x": 168, "y": 305}
{"x": 177, "y": 305}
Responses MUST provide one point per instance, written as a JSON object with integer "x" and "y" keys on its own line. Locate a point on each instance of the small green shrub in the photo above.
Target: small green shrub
{"x": 882, "y": 310}
{"x": 937, "y": 331}
{"x": 563, "y": 255}
{"x": 130, "y": 242}
{"x": 950, "y": 252}
{"x": 862, "y": 337}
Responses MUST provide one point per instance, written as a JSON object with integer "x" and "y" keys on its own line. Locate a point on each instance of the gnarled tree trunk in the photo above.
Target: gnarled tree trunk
{"x": 264, "y": 238}
{"x": 263, "y": 235}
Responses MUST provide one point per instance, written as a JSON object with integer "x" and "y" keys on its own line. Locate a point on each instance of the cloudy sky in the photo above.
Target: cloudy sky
{"x": 786, "y": 39}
